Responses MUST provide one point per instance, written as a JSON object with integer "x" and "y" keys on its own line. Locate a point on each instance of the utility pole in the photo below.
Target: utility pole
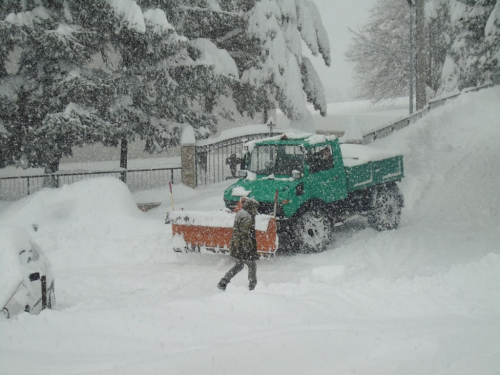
{"x": 421, "y": 69}
{"x": 410, "y": 78}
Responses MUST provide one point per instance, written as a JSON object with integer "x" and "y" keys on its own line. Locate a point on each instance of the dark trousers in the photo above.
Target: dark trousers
{"x": 252, "y": 271}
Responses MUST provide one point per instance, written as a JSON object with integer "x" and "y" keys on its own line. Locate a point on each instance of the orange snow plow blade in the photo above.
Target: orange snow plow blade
{"x": 193, "y": 231}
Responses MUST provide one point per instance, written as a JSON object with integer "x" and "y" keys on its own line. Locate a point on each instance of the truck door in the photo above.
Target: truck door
{"x": 326, "y": 180}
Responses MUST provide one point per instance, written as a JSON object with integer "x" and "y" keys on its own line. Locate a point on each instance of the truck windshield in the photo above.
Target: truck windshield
{"x": 276, "y": 159}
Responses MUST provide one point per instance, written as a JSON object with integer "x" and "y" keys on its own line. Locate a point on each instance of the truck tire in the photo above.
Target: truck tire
{"x": 312, "y": 231}
{"x": 385, "y": 212}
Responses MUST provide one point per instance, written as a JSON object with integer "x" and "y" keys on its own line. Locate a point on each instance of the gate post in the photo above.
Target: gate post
{"x": 188, "y": 157}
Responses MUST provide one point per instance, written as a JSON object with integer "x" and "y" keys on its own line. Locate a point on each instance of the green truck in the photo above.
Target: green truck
{"x": 320, "y": 183}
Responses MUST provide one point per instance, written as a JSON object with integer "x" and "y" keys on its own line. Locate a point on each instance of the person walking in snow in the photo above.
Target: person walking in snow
{"x": 243, "y": 245}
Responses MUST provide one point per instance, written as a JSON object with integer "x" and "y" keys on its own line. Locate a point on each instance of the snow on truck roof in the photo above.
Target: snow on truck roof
{"x": 306, "y": 139}
{"x": 352, "y": 154}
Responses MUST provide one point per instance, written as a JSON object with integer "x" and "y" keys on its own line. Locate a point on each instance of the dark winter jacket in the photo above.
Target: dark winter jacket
{"x": 243, "y": 244}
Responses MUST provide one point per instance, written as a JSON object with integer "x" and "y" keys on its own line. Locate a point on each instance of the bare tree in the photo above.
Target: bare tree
{"x": 380, "y": 50}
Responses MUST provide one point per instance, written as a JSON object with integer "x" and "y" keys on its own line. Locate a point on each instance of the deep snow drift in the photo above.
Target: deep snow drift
{"x": 423, "y": 299}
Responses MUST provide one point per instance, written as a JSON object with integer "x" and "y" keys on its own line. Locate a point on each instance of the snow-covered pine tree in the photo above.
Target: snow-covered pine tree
{"x": 11, "y": 36}
{"x": 224, "y": 24}
{"x": 466, "y": 64}
{"x": 490, "y": 64}
{"x": 438, "y": 41}
{"x": 281, "y": 70}
{"x": 52, "y": 97}
{"x": 208, "y": 26}
{"x": 162, "y": 81}
{"x": 264, "y": 38}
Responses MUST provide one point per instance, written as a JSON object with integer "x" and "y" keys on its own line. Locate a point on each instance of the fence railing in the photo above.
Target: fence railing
{"x": 222, "y": 160}
{"x": 17, "y": 187}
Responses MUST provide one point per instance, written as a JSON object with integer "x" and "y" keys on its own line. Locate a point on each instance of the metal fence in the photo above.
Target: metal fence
{"x": 222, "y": 160}
{"x": 13, "y": 188}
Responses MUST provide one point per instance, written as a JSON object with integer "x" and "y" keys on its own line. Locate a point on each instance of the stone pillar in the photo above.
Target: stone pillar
{"x": 188, "y": 163}
{"x": 188, "y": 157}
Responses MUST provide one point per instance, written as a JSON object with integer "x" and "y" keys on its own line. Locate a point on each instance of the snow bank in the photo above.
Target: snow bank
{"x": 99, "y": 205}
{"x": 451, "y": 159}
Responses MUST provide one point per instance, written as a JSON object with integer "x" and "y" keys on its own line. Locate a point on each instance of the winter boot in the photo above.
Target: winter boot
{"x": 222, "y": 284}
{"x": 252, "y": 285}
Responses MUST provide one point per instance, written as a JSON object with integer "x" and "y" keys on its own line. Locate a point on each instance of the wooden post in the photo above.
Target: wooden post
{"x": 123, "y": 159}
{"x": 44, "y": 292}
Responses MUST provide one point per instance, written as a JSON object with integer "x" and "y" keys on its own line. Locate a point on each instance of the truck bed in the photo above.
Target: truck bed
{"x": 366, "y": 166}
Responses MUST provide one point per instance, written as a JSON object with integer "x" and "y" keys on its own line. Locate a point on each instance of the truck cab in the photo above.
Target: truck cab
{"x": 300, "y": 171}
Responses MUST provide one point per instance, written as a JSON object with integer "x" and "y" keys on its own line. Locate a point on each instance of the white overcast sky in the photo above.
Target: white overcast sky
{"x": 337, "y": 16}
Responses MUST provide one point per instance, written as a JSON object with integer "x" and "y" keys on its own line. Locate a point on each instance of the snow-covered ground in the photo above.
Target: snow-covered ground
{"x": 424, "y": 299}
{"x": 362, "y": 114}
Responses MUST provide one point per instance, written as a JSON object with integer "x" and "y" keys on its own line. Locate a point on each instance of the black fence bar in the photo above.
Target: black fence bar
{"x": 17, "y": 187}
{"x": 219, "y": 161}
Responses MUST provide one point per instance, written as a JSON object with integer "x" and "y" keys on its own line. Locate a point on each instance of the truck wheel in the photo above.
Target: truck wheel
{"x": 312, "y": 231}
{"x": 385, "y": 213}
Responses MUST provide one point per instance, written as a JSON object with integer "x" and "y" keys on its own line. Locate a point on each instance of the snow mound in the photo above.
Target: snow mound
{"x": 452, "y": 161}
{"x": 94, "y": 204}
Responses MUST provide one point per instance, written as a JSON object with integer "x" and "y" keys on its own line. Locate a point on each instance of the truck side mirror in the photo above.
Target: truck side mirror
{"x": 296, "y": 175}
{"x": 242, "y": 173}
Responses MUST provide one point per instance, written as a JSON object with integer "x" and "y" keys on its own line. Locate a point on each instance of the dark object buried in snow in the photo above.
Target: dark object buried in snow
{"x": 26, "y": 279}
